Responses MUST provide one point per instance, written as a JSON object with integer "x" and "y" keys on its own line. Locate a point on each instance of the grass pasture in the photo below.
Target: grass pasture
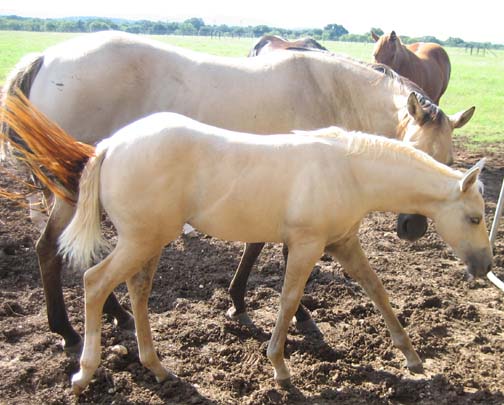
{"x": 476, "y": 79}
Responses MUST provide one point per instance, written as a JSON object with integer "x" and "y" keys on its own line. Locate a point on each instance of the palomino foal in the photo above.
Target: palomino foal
{"x": 329, "y": 180}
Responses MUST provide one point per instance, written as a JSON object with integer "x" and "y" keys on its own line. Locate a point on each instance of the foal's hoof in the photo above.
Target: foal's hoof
{"x": 285, "y": 383}
{"x": 416, "y": 368}
{"x": 79, "y": 383}
{"x": 165, "y": 375}
{"x": 242, "y": 318}
{"x": 308, "y": 326}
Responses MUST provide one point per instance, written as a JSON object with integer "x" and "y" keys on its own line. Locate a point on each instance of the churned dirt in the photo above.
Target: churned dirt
{"x": 456, "y": 326}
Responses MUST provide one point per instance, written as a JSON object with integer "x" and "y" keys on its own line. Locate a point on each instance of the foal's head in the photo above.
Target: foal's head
{"x": 461, "y": 223}
{"x": 387, "y": 48}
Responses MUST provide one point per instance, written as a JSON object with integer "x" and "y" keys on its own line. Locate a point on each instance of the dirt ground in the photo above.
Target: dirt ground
{"x": 456, "y": 326}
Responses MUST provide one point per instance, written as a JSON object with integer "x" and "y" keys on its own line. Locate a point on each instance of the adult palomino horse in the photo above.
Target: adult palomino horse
{"x": 95, "y": 84}
{"x": 270, "y": 43}
{"x": 309, "y": 207}
{"x": 424, "y": 63}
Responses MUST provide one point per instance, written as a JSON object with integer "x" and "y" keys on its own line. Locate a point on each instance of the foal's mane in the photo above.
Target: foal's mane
{"x": 375, "y": 147}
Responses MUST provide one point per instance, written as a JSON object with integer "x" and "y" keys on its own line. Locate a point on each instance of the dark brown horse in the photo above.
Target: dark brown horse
{"x": 424, "y": 63}
{"x": 269, "y": 43}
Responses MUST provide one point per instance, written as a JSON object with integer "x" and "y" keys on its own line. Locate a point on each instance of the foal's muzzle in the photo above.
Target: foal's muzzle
{"x": 479, "y": 263}
{"x": 411, "y": 226}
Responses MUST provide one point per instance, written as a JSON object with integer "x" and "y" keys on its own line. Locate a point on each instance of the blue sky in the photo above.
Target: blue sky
{"x": 476, "y": 21}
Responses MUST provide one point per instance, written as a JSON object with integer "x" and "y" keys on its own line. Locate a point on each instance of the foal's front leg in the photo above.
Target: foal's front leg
{"x": 238, "y": 286}
{"x": 302, "y": 258}
{"x": 355, "y": 263}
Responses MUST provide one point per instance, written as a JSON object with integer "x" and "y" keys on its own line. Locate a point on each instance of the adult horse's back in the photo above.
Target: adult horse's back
{"x": 270, "y": 43}
{"x": 425, "y": 63}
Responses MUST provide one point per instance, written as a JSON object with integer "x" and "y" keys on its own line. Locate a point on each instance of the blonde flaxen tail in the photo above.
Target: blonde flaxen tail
{"x": 82, "y": 243}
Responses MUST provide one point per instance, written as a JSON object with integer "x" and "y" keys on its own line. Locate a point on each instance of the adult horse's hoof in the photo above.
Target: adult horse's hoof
{"x": 308, "y": 327}
{"x": 242, "y": 318}
{"x": 72, "y": 348}
{"x": 126, "y": 325}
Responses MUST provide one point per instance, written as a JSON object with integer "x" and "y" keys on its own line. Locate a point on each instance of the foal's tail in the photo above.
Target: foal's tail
{"x": 53, "y": 156}
{"x": 82, "y": 242}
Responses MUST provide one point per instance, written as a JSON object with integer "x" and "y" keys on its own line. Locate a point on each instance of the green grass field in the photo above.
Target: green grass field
{"x": 476, "y": 79}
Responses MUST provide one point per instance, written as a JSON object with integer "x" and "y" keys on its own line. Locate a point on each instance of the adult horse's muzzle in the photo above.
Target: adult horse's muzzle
{"x": 479, "y": 263}
{"x": 411, "y": 226}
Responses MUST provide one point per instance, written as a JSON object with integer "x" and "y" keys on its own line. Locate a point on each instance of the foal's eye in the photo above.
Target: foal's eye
{"x": 475, "y": 220}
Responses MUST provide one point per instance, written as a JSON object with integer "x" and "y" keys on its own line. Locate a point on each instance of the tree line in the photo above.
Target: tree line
{"x": 196, "y": 26}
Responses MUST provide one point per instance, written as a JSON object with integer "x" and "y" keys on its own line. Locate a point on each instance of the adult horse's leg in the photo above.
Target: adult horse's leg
{"x": 50, "y": 264}
{"x": 355, "y": 263}
{"x": 238, "y": 286}
{"x": 302, "y": 258}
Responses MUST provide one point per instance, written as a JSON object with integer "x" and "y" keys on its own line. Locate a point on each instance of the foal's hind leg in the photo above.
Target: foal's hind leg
{"x": 355, "y": 263}
{"x": 50, "y": 264}
{"x": 139, "y": 287}
{"x": 99, "y": 281}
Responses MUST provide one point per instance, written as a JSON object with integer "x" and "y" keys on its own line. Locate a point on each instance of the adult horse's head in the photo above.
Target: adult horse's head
{"x": 386, "y": 48}
{"x": 427, "y": 128}
{"x": 461, "y": 223}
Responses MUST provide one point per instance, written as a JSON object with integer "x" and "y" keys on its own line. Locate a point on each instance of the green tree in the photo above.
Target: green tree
{"x": 334, "y": 31}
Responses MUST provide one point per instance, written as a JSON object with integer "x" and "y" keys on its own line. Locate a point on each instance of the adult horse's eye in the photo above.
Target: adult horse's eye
{"x": 475, "y": 220}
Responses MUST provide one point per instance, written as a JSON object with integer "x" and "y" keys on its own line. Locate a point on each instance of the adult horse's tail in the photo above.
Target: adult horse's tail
{"x": 53, "y": 156}
{"x": 20, "y": 79}
{"x": 59, "y": 162}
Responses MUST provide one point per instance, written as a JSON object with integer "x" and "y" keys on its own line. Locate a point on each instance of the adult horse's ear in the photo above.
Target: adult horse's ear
{"x": 374, "y": 36}
{"x": 393, "y": 36}
{"x": 461, "y": 118}
{"x": 470, "y": 177}
{"x": 415, "y": 109}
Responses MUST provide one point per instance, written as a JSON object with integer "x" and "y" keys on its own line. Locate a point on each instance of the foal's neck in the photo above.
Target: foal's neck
{"x": 404, "y": 182}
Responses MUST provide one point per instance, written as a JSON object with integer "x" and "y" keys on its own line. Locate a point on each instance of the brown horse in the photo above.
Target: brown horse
{"x": 424, "y": 63}
{"x": 269, "y": 43}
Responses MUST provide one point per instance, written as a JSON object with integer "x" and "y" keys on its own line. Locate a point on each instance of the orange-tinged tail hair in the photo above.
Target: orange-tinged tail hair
{"x": 53, "y": 156}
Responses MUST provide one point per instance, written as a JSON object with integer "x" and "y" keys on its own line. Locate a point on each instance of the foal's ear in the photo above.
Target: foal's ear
{"x": 470, "y": 177}
{"x": 393, "y": 36}
{"x": 461, "y": 118}
{"x": 375, "y": 36}
{"x": 481, "y": 164}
